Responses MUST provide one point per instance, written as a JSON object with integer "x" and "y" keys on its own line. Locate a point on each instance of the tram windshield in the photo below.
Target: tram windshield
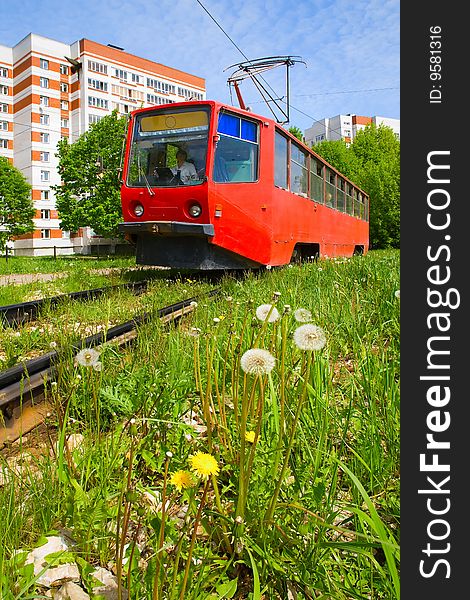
{"x": 169, "y": 148}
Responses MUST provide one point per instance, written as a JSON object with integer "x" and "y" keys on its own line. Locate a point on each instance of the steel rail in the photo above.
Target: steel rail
{"x": 15, "y": 314}
{"x": 22, "y": 386}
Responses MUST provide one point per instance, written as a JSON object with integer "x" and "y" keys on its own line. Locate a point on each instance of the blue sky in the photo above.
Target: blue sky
{"x": 350, "y": 47}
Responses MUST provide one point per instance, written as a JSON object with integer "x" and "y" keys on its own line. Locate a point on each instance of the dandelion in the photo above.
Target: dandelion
{"x": 287, "y": 308}
{"x": 182, "y": 480}
{"x": 97, "y": 366}
{"x": 397, "y": 294}
{"x": 193, "y": 304}
{"x": 257, "y": 361}
{"x": 203, "y": 464}
{"x": 250, "y": 436}
{"x": 87, "y": 357}
{"x": 194, "y": 332}
{"x": 309, "y": 337}
{"x": 302, "y": 315}
{"x": 276, "y": 296}
{"x": 264, "y": 310}
{"x": 216, "y": 320}
{"x": 53, "y": 345}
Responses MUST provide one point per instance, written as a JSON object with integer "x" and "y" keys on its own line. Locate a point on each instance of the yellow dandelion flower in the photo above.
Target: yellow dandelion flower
{"x": 203, "y": 464}
{"x": 250, "y": 436}
{"x": 182, "y": 480}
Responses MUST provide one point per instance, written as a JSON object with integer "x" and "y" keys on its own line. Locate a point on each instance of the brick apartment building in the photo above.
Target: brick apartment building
{"x": 44, "y": 97}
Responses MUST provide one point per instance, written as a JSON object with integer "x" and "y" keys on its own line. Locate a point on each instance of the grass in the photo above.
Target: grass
{"x": 204, "y": 473}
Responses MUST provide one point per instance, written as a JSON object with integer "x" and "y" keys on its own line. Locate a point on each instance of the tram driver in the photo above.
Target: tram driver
{"x": 184, "y": 170}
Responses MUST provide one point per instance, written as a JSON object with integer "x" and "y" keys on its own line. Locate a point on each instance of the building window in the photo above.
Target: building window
{"x": 3, "y": 107}
{"x": 98, "y": 67}
{"x": 45, "y": 156}
{"x": 4, "y": 90}
{"x": 97, "y": 102}
{"x": 45, "y": 213}
{"x": 121, "y": 74}
{"x": 3, "y": 143}
{"x": 44, "y": 138}
{"x": 3, "y": 72}
{"x": 347, "y": 133}
{"x": 43, "y": 63}
{"x": 44, "y": 194}
{"x": 94, "y": 119}
{"x": 44, "y": 119}
{"x": 44, "y": 82}
{"x": 3, "y": 125}
{"x": 320, "y": 138}
{"x": 64, "y": 87}
{"x": 64, "y": 70}
{"x": 43, "y": 100}
{"x": 45, "y": 175}
{"x": 64, "y": 105}
{"x": 45, "y": 234}
{"x": 64, "y": 123}
{"x": 97, "y": 84}
{"x": 66, "y": 235}
{"x": 135, "y": 78}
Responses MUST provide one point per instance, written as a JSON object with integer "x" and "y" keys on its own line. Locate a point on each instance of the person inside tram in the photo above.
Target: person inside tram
{"x": 184, "y": 170}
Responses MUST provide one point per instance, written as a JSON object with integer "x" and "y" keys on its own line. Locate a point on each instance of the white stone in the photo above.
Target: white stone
{"x": 54, "y": 574}
{"x": 109, "y": 588}
{"x": 70, "y": 591}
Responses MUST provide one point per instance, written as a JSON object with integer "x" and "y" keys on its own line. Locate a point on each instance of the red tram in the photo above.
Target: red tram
{"x": 244, "y": 193}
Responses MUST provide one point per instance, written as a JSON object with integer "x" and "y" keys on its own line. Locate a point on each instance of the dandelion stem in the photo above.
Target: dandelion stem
{"x": 193, "y": 540}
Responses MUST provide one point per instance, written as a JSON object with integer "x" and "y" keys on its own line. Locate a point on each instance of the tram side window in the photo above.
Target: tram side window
{"x": 340, "y": 205}
{"x": 349, "y": 199}
{"x": 330, "y": 196}
{"x": 236, "y": 155}
{"x": 316, "y": 180}
{"x": 298, "y": 170}
{"x": 280, "y": 161}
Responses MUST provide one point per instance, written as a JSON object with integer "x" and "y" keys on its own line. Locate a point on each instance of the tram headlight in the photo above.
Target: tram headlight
{"x": 138, "y": 210}
{"x": 195, "y": 210}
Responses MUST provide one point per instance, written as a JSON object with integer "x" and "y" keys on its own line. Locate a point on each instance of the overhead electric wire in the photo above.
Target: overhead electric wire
{"x": 281, "y": 98}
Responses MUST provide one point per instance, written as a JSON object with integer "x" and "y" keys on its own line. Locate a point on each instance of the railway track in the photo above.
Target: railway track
{"x": 22, "y": 405}
{"x": 17, "y": 314}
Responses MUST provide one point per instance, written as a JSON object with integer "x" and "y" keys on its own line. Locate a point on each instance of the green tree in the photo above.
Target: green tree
{"x": 372, "y": 162}
{"x": 16, "y": 207}
{"x": 89, "y": 168}
{"x": 297, "y": 132}
{"x": 339, "y": 156}
{"x": 378, "y": 153}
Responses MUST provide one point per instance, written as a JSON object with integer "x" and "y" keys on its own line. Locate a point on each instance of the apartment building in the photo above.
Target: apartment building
{"x": 50, "y": 90}
{"x": 345, "y": 127}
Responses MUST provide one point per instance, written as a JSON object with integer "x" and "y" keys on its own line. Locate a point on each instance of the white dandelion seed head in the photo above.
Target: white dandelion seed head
{"x": 264, "y": 310}
{"x": 53, "y": 345}
{"x": 303, "y": 315}
{"x": 87, "y": 357}
{"x": 229, "y": 298}
{"x": 268, "y": 267}
{"x": 97, "y": 366}
{"x": 257, "y": 361}
{"x": 193, "y": 304}
{"x": 194, "y": 332}
{"x": 309, "y": 337}
{"x": 397, "y": 294}
{"x": 132, "y": 421}
{"x": 169, "y": 454}
{"x": 216, "y": 320}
